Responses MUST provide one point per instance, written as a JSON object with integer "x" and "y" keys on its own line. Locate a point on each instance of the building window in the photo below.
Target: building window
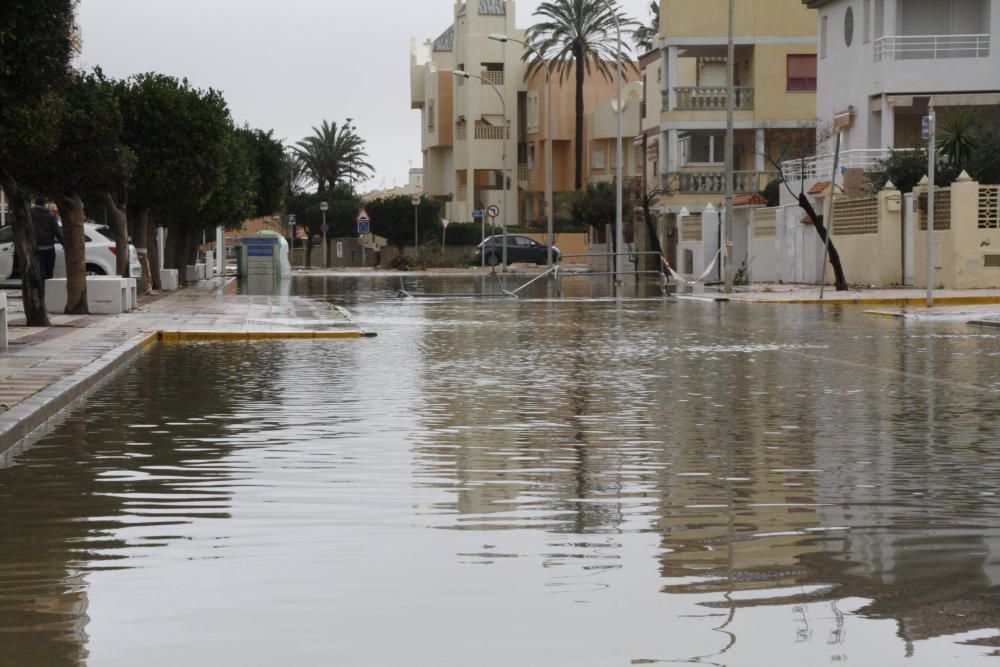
{"x": 597, "y": 158}
{"x": 706, "y": 148}
{"x": 430, "y": 116}
{"x": 801, "y": 72}
{"x": 867, "y": 20}
{"x": 879, "y": 19}
{"x": 849, "y": 27}
{"x": 824, "y": 33}
{"x": 532, "y": 119}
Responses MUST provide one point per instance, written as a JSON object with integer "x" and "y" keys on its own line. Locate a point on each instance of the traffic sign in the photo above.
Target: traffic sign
{"x": 291, "y": 219}
{"x": 364, "y": 222}
{"x": 325, "y": 228}
{"x": 478, "y": 214}
{"x": 493, "y": 211}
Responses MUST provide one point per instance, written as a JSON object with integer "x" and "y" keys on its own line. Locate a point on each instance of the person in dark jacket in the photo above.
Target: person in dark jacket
{"x": 47, "y": 234}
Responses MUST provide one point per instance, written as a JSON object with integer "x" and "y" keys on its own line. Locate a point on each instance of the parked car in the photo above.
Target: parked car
{"x": 519, "y": 249}
{"x": 100, "y": 254}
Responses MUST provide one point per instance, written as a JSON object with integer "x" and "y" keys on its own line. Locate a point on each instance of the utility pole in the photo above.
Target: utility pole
{"x": 730, "y": 147}
{"x": 930, "y": 130}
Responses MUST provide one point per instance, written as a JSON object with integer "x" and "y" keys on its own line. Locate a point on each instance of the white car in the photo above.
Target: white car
{"x": 100, "y": 254}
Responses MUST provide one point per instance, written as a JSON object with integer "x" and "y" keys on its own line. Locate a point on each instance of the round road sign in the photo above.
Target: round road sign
{"x": 493, "y": 211}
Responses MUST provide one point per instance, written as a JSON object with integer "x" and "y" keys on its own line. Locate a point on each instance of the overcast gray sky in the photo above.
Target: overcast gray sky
{"x": 287, "y": 64}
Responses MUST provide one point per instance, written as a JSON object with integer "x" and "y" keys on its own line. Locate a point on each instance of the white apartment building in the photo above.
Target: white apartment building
{"x": 882, "y": 61}
{"x": 463, "y": 135}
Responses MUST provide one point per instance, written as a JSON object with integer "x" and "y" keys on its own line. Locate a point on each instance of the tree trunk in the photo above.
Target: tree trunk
{"x": 580, "y": 76}
{"x": 654, "y": 238}
{"x": 170, "y": 247}
{"x": 75, "y": 252}
{"x": 140, "y": 227}
{"x": 32, "y": 285}
{"x": 817, "y": 220}
{"x": 153, "y": 252}
{"x": 194, "y": 244}
{"x": 119, "y": 223}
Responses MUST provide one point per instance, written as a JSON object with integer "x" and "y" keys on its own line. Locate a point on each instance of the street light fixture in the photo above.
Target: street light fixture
{"x": 415, "y": 200}
{"x": 549, "y": 103}
{"x": 323, "y": 206}
{"x": 505, "y": 139}
{"x": 619, "y": 190}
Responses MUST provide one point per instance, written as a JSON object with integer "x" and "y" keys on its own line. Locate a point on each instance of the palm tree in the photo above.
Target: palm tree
{"x": 580, "y": 33}
{"x": 645, "y": 34}
{"x": 296, "y": 175}
{"x": 333, "y": 155}
{"x": 958, "y": 140}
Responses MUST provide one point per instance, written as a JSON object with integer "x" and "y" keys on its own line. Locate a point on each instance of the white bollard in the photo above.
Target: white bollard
{"x": 3, "y": 320}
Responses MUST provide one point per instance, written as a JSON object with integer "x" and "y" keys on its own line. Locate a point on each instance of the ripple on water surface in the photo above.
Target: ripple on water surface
{"x": 533, "y": 482}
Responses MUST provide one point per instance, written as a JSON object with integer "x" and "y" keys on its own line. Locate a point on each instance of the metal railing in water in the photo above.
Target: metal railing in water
{"x": 557, "y": 272}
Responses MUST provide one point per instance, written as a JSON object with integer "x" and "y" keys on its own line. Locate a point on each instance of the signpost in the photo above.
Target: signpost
{"x": 480, "y": 215}
{"x": 291, "y": 238}
{"x": 494, "y": 212}
{"x": 444, "y": 233}
{"x": 930, "y": 135}
{"x": 364, "y": 228}
{"x": 323, "y": 206}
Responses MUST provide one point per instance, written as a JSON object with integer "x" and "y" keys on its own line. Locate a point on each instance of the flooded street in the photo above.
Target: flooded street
{"x": 521, "y": 482}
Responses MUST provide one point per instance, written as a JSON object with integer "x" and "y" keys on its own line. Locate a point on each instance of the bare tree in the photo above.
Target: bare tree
{"x": 800, "y": 144}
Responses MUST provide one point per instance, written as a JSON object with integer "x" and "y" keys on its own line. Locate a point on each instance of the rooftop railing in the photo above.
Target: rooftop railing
{"x": 820, "y": 166}
{"x": 932, "y": 47}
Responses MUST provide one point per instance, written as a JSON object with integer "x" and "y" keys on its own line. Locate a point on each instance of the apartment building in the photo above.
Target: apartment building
{"x": 684, "y": 121}
{"x": 463, "y": 136}
{"x": 881, "y": 61}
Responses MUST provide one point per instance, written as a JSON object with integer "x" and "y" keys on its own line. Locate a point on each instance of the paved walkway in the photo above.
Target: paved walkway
{"x": 808, "y": 294}
{"x": 40, "y": 357}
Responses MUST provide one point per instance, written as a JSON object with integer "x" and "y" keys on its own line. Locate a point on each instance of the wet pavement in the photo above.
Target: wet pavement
{"x": 522, "y": 482}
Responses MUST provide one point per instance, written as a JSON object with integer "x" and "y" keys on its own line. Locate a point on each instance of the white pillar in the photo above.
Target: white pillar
{"x": 672, "y": 76}
{"x": 161, "y": 240}
{"x": 891, "y": 18}
{"x": 664, "y": 157}
{"x": 220, "y": 251}
{"x": 759, "y": 149}
{"x": 673, "y": 151}
{"x": 888, "y": 124}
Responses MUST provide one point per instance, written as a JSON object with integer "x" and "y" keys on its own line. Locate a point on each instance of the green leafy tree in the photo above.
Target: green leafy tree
{"x": 645, "y": 35}
{"x": 181, "y": 137}
{"x": 268, "y": 157}
{"x": 578, "y": 36}
{"x": 36, "y": 45}
{"x": 333, "y": 155}
{"x": 906, "y": 168}
{"x": 393, "y": 218}
{"x": 89, "y": 160}
{"x": 595, "y": 205}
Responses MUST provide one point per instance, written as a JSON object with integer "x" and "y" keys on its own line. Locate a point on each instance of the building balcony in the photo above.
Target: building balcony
{"x": 493, "y": 76}
{"x": 709, "y": 98}
{"x": 714, "y": 182}
{"x": 522, "y": 173}
{"x": 491, "y": 133}
{"x": 932, "y": 47}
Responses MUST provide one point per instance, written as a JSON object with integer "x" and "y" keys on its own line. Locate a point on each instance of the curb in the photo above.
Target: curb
{"x": 891, "y": 301}
{"x": 28, "y": 417}
{"x": 180, "y": 336}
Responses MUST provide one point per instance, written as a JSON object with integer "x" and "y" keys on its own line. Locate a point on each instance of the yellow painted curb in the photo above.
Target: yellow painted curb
{"x": 915, "y": 301}
{"x": 885, "y": 313}
{"x": 178, "y": 336}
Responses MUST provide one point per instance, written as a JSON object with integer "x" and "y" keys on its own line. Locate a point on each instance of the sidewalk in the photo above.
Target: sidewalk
{"x": 46, "y": 369}
{"x": 809, "y": 294}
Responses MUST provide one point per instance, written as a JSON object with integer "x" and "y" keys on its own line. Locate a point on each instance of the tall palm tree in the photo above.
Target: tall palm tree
{"x": 645, "y": 34}
{"x": 577, "y": 35}
{"x": 333, "y": 155}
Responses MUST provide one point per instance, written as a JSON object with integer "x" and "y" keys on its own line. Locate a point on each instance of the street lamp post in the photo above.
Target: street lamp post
{"x": 549, "y": 103}
{"x": 415, "y": 200}
{"x": 505, "y": 138}
{"x": 323, "y": 206}
{"x": 619, "y": 191}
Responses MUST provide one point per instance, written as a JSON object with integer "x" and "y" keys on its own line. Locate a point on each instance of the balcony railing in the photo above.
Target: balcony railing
{"x": 932, "y": 47}
{"x": 491, "y": 133}
{"x": 714, "y": 182}
{"x": 493, "y": 76}
{"x": 820, "y": 166}
{"x": 522, "y": 172}
{"x": 712, "y": 98}
{"x": 460, "y": 132}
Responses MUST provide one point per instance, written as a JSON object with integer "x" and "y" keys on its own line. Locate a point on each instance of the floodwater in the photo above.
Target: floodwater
{"x": 501, "y": 482}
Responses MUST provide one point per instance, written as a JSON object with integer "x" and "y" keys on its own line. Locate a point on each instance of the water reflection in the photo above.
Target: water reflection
{"x": 522, "y": 482}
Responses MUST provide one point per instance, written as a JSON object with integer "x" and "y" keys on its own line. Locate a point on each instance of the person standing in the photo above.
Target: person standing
{"x": 47, "y": 234}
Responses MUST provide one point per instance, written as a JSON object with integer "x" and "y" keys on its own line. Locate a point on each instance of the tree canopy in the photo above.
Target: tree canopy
{"x": 333, "y": 155}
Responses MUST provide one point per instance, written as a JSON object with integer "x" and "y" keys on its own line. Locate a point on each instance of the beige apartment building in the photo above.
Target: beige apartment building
{"x": 463, "y": 138}
{"x": 684, "y": 117}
